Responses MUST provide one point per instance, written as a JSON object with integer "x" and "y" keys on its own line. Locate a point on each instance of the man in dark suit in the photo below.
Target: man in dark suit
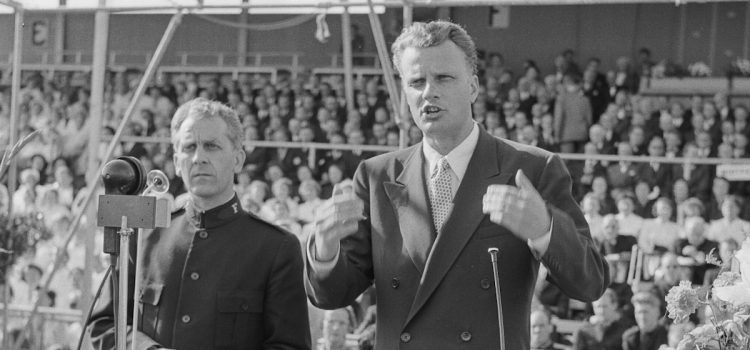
{"x": 218, "y": 277}
{"x": 431, "y": 212}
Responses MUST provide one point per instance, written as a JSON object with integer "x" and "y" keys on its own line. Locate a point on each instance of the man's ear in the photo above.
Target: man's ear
{"x": 239, "y": 159}
{"x": 474, "y": 88}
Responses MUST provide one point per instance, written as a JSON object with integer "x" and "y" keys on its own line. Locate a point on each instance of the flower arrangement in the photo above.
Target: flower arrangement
{"x": 19, "y": 235}
{"x": 729, "y": 302}
{"x": 699, "y": 69}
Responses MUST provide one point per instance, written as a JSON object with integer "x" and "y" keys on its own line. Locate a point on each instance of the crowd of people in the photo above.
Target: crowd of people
{"x": 676, "y": 213}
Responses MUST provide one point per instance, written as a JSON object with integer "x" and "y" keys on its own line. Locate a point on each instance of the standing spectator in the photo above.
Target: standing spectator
{"x": 572, "y": 116}
{"x": 596, "y": 88}
{"x": 648, "y": 334}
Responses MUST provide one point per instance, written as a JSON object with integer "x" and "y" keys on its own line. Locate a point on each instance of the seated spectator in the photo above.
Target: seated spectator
{"x": 649, "y": 333}
{"x": 668, "y": 274}
{"x": 615, "y": 245}
{"x": 604, "y": 330}
{"x": 727, "y": 248}
{"x": 644, "y": 199}
{"x": 590, "y": 207}
{"x": 281, "y": 190}
{"x": 599, "y": 190}
{"x": 24, "y": 199}
{"x": 335, "y": 176}
{"x": 692, "y": 207}
{"x": 309, "y": 192}
{"x": 661, "y": 233}
{"x": 630, "y": 224}
{"x": 255, "y": 197}
{"x": 729, "y": 226}
{"x": 282, "y": 218}
{"x": 242, "y": 186}
{"x": 543, "y": 335}
{"x": 336, "y": 325}
{"x": 698, "y": 177}
{"x": 719, "y": 191}
{"x": 623, "y": 174}
{"x": 696, "y": 247}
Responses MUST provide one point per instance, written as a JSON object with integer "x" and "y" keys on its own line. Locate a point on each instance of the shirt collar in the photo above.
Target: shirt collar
{"x": 216, "y": 216}
{"x": 458, "y": 157}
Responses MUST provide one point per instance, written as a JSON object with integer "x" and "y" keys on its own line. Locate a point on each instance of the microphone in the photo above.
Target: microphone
{"x": 501, "y": 329}
{"x": 124, "y": 176}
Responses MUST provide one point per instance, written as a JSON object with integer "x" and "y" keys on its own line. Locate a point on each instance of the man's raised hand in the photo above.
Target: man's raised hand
{"x": 518, "y": 208}
{"x": 336, "y": 219}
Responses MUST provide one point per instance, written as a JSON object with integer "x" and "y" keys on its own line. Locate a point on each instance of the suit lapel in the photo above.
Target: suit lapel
{"x": 409, "y": 200}
{"x": 483, "y": 170}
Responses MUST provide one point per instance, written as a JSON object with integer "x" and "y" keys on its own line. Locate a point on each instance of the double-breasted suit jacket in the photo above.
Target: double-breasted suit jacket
{"x": 441, "y": 295}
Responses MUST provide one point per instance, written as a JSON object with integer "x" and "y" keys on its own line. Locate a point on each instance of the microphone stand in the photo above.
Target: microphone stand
{"x": 501, "y": 329}
{"x": 122, "y": 305}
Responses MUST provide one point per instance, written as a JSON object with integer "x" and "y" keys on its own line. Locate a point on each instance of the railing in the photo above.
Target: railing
{"x": 364, "y": 59}
{"x": 184, "y": 61}
{"x": 689, "y": 86}
{"x": 53, "y": 325}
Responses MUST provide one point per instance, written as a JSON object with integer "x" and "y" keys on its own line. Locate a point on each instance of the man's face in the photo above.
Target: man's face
{"x": 206, "y": 159}
{"x": 335, "y": 326}
{"x": 439, "y": 88}
{"x": 605, "y": 307}
{"x": 541, "y": 329}
{"x": 646, "y": 316}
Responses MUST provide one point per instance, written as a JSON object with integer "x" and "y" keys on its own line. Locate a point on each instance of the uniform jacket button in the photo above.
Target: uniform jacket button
{"x": 395, "y": 283}
{"x": 405, "y": 337}
{"x": 185, "y": 319}
{"x": 465, "y": 336}
{"x": 195, "y": 276}
{"x": 485, "y": 283}
{"x": 203, "y": 234}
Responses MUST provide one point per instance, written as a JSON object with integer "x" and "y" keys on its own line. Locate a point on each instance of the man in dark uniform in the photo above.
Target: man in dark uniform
{"x": 218, "y": 277}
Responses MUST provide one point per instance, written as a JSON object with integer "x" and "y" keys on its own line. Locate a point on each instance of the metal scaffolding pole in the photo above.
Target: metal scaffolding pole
{"x": 92, "y": 187}
{"x": 346, "y": 42}
{"x": 388, "y": 76}
{"x": 98, "y": 75}
{"x": 14, "y": 98}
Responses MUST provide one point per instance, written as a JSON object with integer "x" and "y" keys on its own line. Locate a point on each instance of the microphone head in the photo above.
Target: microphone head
{"x": 123, "y": 175}
{"x": 493, "y": 250}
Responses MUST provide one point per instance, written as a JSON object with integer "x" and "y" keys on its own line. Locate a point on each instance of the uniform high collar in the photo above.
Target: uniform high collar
{"x": 216, "y": 216}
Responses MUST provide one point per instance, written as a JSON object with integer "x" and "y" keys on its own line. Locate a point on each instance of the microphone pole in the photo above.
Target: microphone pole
{"x": 501, "y": 329}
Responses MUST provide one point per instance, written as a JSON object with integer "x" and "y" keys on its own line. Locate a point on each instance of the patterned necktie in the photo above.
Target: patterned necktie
{"x": 441, "y": 198}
